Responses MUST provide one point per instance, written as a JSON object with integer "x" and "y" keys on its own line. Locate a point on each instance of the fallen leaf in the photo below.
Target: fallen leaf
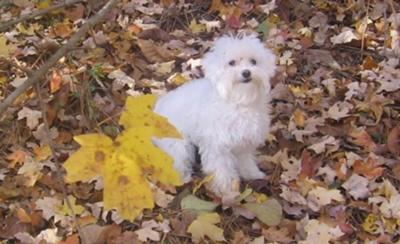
{"x": 55, "y": 82}
{"x": 42, "y": 153}
{"x": 299, "y": 117}
{"x": 233, "y": 22}
{"x": 258, "y": 240}
{"x": 319, "y": 232}
{"x": 320, "y": 196}
{"x": 32, "y": 117}
{"x": 393, "y": 140}
{"x": 362, "y": 138}
{"x": 370, "y": 224}
{"x": 347, "y": 35}
{"x": 120, "y": 80}
{"x": 127, "y": 163}
{"x": 43, "y": 4}
{"x": 339, "y": 111}
{"x": 161, "y": 198}
{"x": 196, "y": 27}
{"x": 269, "y": 212}
{"x": 32, "y": 172}
{"x": 357, "y": 186}
{"x": 321, "y": 146}
{"x": 73, "y": 208}
{"x": 49, "y": 207}
{"x": 72, "y": 239}
{"x": 369, "y": 169}
{"x": 62, "y": 29}
{"x": 146, "y": 232}
{"x": 276, "y": 234}
{"x": 75, "y": 12}
{"x": 23, "y": 216}
{"x": 177, "y": 79}
{"x": 204, "y": 226}
{"x": 5, "y": 49}
{"x": 390, "y": 208}
{"x": 154, "y": 53}
{"x": 191, "y": 202}
{"x": 16, "y": 157}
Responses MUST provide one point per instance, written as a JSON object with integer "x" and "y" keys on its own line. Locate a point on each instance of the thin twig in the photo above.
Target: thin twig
{"x": 364, "y": 30}
{"x": 38, "y": 74}
{"x": 58, "y": 172}
{"x": 32, "y": 15}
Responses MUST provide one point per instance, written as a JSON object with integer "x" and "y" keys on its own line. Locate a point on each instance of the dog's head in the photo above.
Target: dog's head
{"x": 240, "y": 68}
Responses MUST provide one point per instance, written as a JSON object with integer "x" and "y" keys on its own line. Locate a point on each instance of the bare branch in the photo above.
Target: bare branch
{"x": 66, "y": 3}
{"x": 38, "y": 74}
{"x": 58, "y": 171}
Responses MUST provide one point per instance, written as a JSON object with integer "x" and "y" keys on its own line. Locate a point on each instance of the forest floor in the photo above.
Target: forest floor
{"x": 332, "y": 158}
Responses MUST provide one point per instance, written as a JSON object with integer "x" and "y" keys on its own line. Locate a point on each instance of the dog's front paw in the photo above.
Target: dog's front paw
{"x": 225, "y": 186}
{"x": 252, "y": 174}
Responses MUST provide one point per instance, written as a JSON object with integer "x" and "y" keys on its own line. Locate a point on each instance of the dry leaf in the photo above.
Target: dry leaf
{"x": 154, "y": 53}
{"x": 32, "y": 117}
{"x": 357, "y": 186}
{"x": 393, "y": 141}
{"x": 204, "y": 226}
{"x": 320, "y": 196}
{"x": 368, "y": 169}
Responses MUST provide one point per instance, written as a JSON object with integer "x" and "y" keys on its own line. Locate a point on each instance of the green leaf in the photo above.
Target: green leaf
{"x": 269, "y": 212}
{"x": 192, "y": 202}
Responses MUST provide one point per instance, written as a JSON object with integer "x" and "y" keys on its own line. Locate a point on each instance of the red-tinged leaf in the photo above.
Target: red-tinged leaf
{"x": 55, "y": 82}
{"x": 309, "y": 164}
{"x": 368, "y": 169}
{"x": 17, "y": 157}
{"x": 72, "y": 239}
{"x": 363, "y": 139}
{"x": 216, "y": 6}
{"x": 23, "y": 216}
{"x": 339, "y": 168}
{"x": 393, "y": 140}
{"x": 233, "y": 22}
{"x": 346, "y": 228}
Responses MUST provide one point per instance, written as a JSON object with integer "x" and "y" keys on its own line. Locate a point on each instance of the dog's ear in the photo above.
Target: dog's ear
{"x": 269, "y": 61}
{"x": 211, "y": 64}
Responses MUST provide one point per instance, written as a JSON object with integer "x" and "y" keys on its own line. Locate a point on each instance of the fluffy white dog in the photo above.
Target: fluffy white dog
{"x": 225, "y": 114}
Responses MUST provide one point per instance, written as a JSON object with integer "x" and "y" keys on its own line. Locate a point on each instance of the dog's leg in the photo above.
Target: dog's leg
{"x": 222, "y": 166}
{"x": 183, "y": 154}
{"x": 247, "y": 167}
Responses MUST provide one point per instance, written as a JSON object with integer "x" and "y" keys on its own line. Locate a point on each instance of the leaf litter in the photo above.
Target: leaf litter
{"x": 332, "y": 157}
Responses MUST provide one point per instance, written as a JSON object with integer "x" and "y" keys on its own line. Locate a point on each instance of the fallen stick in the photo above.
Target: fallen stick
{"x": 66, "y": 3}
{"x": 38, "y": 74}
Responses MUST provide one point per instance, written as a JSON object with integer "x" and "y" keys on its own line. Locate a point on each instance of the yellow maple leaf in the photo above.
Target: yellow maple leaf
{"x": 88, "y": 162}
{"x": 204, "y": 225}
{"x": 127, "y": 163}
{"x": 138, "y": 113}
{"x": 155, "y": 163}
{"x": 125, "y": 188}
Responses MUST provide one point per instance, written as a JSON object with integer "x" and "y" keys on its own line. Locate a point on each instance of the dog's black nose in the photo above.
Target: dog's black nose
{"x": 246, "y": 73}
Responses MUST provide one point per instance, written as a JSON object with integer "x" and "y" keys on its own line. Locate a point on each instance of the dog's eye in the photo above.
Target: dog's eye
{"x": 253, "y": 61}
{"x": 232, "y": 63}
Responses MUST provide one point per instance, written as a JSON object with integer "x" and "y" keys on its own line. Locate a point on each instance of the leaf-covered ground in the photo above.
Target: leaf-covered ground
{"x": 332, "y": 158}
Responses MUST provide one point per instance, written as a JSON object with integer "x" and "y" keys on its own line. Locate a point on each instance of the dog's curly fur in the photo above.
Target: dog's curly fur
{"x": 225, "y": 114}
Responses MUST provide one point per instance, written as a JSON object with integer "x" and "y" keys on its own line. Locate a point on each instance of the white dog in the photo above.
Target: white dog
{"x": 225, "y": 114}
